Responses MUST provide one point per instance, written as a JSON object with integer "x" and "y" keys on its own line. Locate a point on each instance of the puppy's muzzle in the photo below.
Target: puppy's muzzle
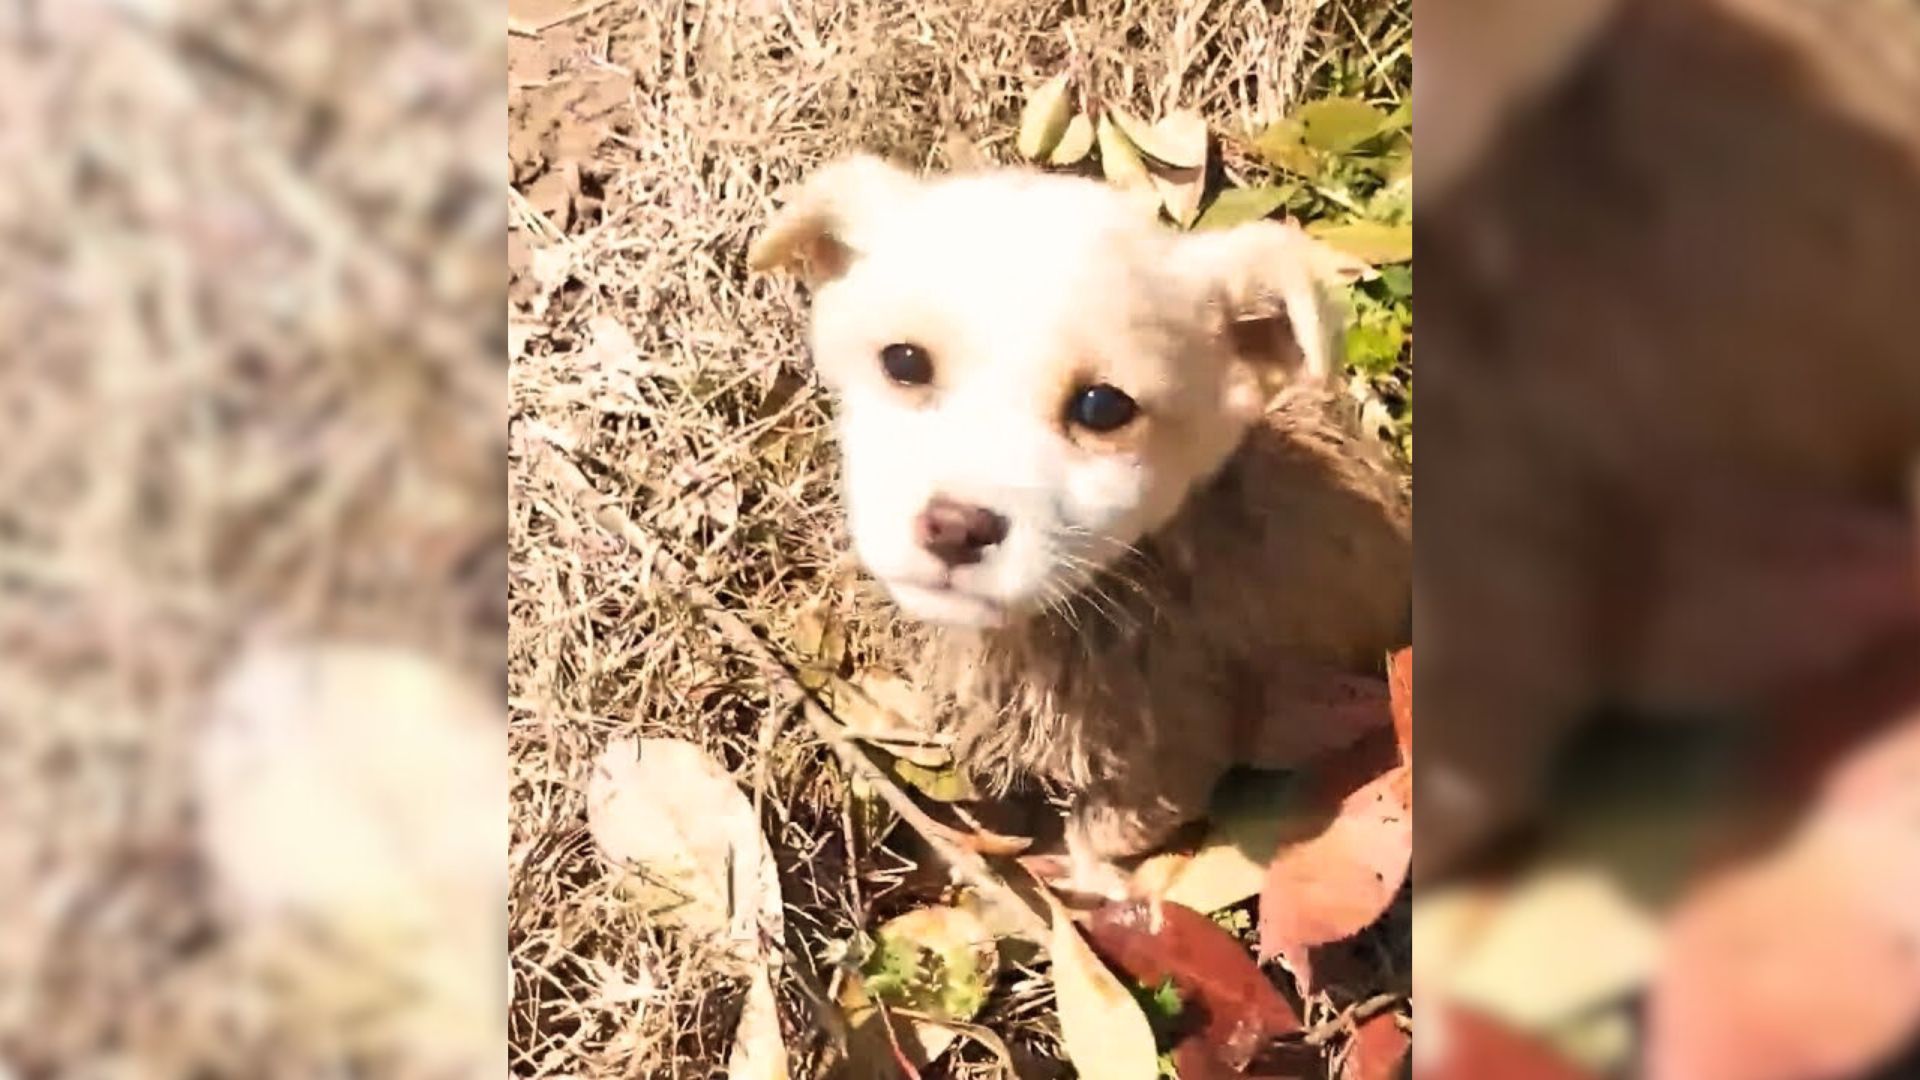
{"x": 956, "y": 533}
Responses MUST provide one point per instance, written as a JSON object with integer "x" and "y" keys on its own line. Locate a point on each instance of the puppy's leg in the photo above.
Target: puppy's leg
{"x": 1128, "y": 817}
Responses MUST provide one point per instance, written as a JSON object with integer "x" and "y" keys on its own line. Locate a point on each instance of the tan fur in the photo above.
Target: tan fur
{"x": 1212, "y": 648}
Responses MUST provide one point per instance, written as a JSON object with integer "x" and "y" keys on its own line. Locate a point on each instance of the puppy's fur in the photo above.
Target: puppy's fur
{"x": 1169, "y": 598}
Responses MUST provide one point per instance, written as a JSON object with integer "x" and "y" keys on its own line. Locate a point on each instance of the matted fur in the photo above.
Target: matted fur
{"x": 1212, "y": 646}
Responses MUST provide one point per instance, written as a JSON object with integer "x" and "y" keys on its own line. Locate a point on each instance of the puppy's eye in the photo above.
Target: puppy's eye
{"x": 1101, "y": 408}
{"x": 908, "y": 365}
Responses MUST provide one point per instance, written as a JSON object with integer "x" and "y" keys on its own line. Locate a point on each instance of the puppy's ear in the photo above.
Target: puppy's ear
{"x": 816, "y": 234}
{"x": 1275, "y": 306}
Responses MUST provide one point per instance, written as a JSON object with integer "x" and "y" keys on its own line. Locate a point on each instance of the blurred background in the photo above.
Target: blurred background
{"x": 1668, "y": 570}
{"x": 252, "y": 541}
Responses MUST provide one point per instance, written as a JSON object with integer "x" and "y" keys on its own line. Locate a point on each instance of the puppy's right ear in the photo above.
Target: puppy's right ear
{"x": 816, "y": 234}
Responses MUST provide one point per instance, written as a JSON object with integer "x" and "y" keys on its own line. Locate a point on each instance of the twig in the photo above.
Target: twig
{"x": 969, "y": 865}
{"x": 1327, "y": 1030}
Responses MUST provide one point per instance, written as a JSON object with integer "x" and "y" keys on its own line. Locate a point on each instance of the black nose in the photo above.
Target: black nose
{"x": 956, "y": 533}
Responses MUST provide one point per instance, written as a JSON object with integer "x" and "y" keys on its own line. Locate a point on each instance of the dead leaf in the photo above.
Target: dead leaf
{"x": 820, "y": 639}
{"x": 667, "y": 810}
{"x": 1045, "y": 118}
{"x": 1335, "y": 884}
{"x": 1252, "y": 813}
{"x": 1180, "y": 191}
{"x": 1075, "y": 143}
{"x": 1565, "y": 941}
{"x": 1177, "y": 140}
{"x": 1802, "y": 964}
{"x": 882, "y": 708}
{"x": 1400, "y": 697}
{"x": 930, "y": 965}
{"x": 1459, "y": 1044}
{"x": 1377, "y": 1050}
{"x": 1154, "y": 942}
{"x": 759, "y": 1049}
{"x": 1105, "y": 1034}
{"x": 305, "y": 828}
{"x": 1120, "y": 159}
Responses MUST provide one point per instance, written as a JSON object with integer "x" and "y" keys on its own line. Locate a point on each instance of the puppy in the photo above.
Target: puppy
{"x": 1101, "y": 459}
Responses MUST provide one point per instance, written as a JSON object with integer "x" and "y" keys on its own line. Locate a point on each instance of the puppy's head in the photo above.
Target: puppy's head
{"x": 1032, "y": 373}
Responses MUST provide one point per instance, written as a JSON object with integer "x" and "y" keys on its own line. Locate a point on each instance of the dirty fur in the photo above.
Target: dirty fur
{"x": 1240, "y": 633}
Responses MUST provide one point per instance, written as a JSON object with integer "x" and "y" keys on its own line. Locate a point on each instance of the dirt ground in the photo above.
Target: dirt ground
{"x": 647, "y": 145}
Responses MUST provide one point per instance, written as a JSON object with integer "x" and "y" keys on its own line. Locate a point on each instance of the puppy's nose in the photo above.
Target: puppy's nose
{"x": 957, "y": 533}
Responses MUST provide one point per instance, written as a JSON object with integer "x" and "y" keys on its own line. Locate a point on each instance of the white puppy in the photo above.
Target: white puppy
{"x": 1040, "y": 389}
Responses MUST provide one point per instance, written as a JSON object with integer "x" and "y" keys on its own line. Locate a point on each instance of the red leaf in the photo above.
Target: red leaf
{"x": 1805, "y": 962}
{"x": 1335, "y": 884}
{"x": 1400, "y": 695}
{"x": 1377, "y": 1049}
{"x": 1470, "y": 1046}
{"x": 1238, "y": 1008}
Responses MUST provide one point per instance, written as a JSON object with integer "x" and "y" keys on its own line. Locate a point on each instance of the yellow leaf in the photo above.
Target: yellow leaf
{"x": 1075, "y": 144}
{"x": 1045, "y": 118}
{"x": 1105, "y": 1034}
{"x": 1120, "y": 159}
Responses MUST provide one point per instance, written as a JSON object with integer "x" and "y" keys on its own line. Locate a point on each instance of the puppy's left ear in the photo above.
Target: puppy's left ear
{"x": 1275, "y": 308}
{"x": 817, "y": 233}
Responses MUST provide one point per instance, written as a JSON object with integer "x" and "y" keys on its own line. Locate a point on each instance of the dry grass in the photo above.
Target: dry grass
{"x": 648, "y": 142}
{"x": 251, "y": 385}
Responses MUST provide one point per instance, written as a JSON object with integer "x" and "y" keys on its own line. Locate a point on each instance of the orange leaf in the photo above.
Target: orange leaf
{"x": 1400, "y": 693}
{"x": 1470, "y": 1046}
{"x": 1333, "y": 885}
{"x": 1376, "y": 1050}
{"x": 1802, "y": 963}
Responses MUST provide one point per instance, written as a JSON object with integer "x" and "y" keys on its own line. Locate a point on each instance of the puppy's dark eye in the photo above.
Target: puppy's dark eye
{"x": 1101, "y": 408}
{"x": 908, "y": 365}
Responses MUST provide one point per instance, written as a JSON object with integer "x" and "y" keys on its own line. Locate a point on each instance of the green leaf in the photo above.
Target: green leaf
{"x": 1284, "y": 146}
{"x": 1237, "y": 206}
{"x": 1337, "y": 125}
{"x": 947, "y": 785}
{"x": 1376, "y": 243}
{"x": 1401, "y": 118}
{"x": 1397, "y": 281}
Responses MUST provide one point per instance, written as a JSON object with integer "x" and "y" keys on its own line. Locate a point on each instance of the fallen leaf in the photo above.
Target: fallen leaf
{"x": 821, "y": 641}
{"x": 1237, "y": 206}
{"x": 305, "y": 827}
{"x": 1284, "y": 146}
{"x": 1564, "y": 941}
{"x": 1152, "y": 943}
{"x": 1377, "y": 1050}
{"x": 1456, "y": 1043}
{"x": 1180, "y": 191}
{"x": 1045, "y": 118}
{"x": 880, "y": 707}
{"x": 1252, "y": 812}
{"x": 759, "y": 1049}
{"x": 1120, "y": 159}
{"x": 1334, "y": 884}
{"x": 947, "y": 783}
{"x": 1802, "y": 964}
{"x": 667, "y": 810}
{"x": 1105, "y": 1033}
{"x": 1178, "y": 139}
{"x": 928, "y": 965}
{"x": 1075, "y": 143}
{"x": 1332, "y": 263}
{"x": 1400, "y": 697}
{"x": 1337, "y": 125}
{"x": 1375, "y": 243}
